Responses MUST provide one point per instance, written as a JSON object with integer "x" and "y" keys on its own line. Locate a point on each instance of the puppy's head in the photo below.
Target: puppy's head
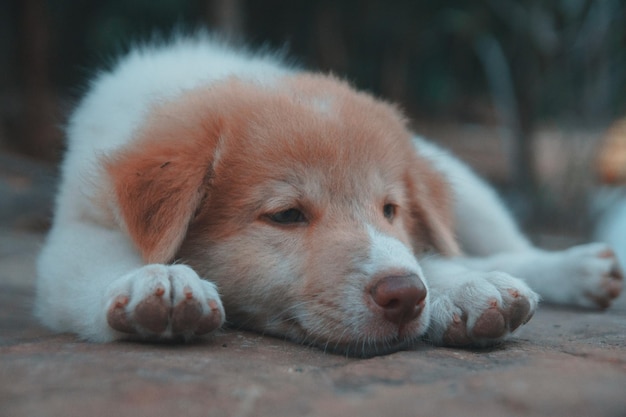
{"x": 303, "y": 200}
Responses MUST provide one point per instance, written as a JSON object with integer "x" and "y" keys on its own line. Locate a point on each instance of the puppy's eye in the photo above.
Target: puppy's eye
{"x": 389, "y": 211}
{"x": 289, "y": 216}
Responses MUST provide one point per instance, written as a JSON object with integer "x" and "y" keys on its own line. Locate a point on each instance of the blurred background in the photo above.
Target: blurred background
{"x": 529, "y": 93}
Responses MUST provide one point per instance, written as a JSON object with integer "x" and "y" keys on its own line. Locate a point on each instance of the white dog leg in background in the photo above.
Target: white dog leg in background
{"x": 611, "y": 227}
{"x": 586, "y": 275}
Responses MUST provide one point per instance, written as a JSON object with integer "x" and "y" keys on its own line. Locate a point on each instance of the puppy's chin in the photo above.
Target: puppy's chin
{"x": 362, "y": 347}
{"x": 352, "y": 342}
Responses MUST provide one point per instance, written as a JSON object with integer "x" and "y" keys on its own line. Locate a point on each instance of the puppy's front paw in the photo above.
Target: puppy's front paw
{"x": 481, "y": 310}
{"x": 161, "y": 301}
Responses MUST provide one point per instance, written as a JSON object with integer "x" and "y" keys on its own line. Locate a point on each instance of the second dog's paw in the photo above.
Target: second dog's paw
{"x": 162, "y": 301}
{"x": 482, "y": 310}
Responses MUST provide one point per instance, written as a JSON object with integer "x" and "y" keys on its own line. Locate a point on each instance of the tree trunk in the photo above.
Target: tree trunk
{"x": 37, "y": 130}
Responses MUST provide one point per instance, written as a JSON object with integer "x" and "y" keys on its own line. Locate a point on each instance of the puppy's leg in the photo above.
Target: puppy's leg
{"x": 470, "y": 308}
{"x": 92, "y": 282}
{"x": 611, "y": 228}
{"x": 586, "y": 275}
{"x": 483, "y": 225}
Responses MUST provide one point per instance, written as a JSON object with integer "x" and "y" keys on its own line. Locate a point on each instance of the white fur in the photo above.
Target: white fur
{"x": 88, "y": 261}
{"x": 387, "y": 253}
{"x": 610, "y": 203}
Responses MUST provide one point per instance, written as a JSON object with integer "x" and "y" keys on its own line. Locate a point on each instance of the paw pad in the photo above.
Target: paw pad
{"x": 490, "y": 324}
{"x": 482, "y": 311}
{"x": 165, "y": 302}
{"x": 117, "y": 317}
{"x": 611, "y": 282}
{"x": 152, "y": 312}
{"x": 456, "y": 334}
{"x": 211, "y": 321}
{"x": 185, "y": 315}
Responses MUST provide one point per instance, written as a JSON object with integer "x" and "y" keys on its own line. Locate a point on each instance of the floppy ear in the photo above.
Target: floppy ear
{"x": 158, "y": 187}
{"x": 431, "y": 208}
{"x": 160, "y": 180}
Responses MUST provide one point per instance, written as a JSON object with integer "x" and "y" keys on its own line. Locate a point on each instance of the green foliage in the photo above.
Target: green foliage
{"x": 566, "y": 58}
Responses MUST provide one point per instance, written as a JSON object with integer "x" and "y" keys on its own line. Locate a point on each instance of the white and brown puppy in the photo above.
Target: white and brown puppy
{"x": 204, "y": 184}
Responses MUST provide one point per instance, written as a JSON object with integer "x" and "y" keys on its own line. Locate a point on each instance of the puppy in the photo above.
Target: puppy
{"x": 204, "y": 184}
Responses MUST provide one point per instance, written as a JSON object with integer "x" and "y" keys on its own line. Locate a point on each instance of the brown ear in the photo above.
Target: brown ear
{"x": 432, "y": 210}
{"x": 158, "y": 186}
{"x": 439, "y": 229}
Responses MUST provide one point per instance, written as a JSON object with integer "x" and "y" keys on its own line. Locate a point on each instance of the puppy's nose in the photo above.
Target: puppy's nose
{"x": 400, "y": 297}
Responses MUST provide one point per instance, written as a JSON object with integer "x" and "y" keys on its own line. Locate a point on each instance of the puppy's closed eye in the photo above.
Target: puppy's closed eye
{"x": 289, "y": 217}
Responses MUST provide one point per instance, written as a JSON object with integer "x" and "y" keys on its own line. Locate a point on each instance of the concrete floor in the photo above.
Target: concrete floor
{"x": 564, "y": 363}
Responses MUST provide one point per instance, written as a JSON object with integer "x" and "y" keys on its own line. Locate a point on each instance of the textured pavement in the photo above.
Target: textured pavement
{"x": 565, "y": 363}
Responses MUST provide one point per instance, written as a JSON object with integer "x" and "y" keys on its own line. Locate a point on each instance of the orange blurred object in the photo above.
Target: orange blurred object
{"x": 611, "y": 161}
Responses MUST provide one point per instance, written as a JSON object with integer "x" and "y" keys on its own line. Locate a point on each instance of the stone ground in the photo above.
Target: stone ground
{"x": 565, "y": 363}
